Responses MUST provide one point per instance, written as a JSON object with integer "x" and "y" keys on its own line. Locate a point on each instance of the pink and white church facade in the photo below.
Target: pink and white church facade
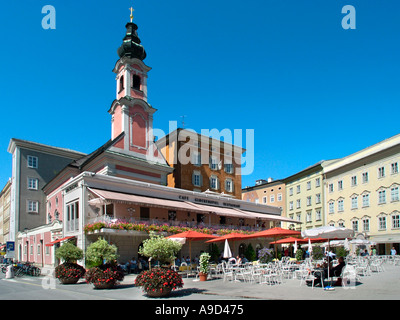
{"x": 119, "y": 190}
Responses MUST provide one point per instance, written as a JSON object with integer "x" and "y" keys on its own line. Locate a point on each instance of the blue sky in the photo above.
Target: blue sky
{"x": 310, "y": 89}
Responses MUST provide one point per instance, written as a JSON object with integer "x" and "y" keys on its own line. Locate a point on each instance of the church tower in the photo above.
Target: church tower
{"x": 131, "y": 114}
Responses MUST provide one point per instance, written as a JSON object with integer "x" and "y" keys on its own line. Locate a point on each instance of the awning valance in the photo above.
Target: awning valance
{"x": 58, "y": 240}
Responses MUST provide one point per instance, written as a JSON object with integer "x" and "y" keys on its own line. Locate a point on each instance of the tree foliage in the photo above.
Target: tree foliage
{"x": 160, "y": 248}
{"x": 101, "y": 252}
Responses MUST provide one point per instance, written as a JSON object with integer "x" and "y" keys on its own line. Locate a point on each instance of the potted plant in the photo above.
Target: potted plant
{"x": 159, "y": 282}
{"x": 69, "y": 272}
{"x": 160, "y": 249}
{"x": 204, "y": 266}
{"x": 104, "y": 273}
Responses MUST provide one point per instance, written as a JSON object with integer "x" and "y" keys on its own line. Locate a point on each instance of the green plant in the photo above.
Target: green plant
{"x": 69, "y": 252}
{"x": 100, "y": 252}
{"x": 204, "y": 263}
{"x": 341, "y": 252}
{"x": 160, "y": 248}
{"x": 250, "y": 254}
{"x": 317, "y": 253}
{"x": 159, "y": 279}
{"x": 299, "y": 254}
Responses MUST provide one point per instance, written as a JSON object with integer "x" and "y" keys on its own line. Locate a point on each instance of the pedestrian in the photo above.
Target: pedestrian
{"x": 393, "y": 251}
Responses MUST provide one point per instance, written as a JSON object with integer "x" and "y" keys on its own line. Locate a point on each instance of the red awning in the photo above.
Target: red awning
{"x": 58, "y": 240}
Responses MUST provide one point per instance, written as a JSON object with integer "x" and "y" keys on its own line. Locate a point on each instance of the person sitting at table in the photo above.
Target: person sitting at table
{"x": 335, "y": 272}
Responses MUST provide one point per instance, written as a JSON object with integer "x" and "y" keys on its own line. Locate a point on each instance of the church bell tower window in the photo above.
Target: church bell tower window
{"x": 136, "y": 82}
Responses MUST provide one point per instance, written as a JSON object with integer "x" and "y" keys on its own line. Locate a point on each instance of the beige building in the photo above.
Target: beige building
{"x": 362, "y": 193}
{"x": 305, "y": 196}
{"x": 268, "y": 192}
{"x": 5, "y": 202}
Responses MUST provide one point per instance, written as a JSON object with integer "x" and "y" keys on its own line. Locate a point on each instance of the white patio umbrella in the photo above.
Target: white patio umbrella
{"x": 346, "y": 244}
{"x": 227, "y": 250}
{"x": 295, "y": 247}
{"x": 309, "y": 246}
{"x": 328, "y": 232}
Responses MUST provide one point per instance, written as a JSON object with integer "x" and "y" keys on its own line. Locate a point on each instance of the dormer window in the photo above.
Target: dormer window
{"x": 136, "y": 82}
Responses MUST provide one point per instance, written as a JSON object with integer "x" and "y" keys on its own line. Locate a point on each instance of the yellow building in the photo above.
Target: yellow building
{"x": 268, "y": 192}
{"x": 305, "y": 197}
{"x": 362, "y": 193}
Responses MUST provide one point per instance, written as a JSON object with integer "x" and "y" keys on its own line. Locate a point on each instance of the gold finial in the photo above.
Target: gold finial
{"x": 131, "y": 13}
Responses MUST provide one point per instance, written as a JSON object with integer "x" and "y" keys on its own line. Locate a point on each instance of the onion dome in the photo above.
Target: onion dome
{"x": 131, "y": 46}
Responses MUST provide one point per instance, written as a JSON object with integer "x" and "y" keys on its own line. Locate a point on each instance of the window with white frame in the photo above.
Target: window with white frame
{"x": 318, "y": 215}
{"x": 354, "y": 225}
{"x": 264, "y": 200}
{"x": 298, "y": 189}
{"x": 381, "y": 172}
{"x": 395, "y": 168}
{"x": 382, "y": 196}
{"x": 290, "y": 191}
{"x": 330, "y": 187}
{"x": 272, "y": 198}
{"x": 318, "y": 198}
{"x": 309, "y": 216}
{"x": 395, "y": 221}
{"x": 354, "y": 202}
{"x": 317, "y": 182}
{"x": 308, "y": 201}
{"x": 394, "y": 194}
{"x": 196, "y": 178}
{"x": 72, "y": 219}
{"x": 291, "y": 205}
{"x": 229, "y": 185}
{"x": 353, "y": 181}
{"x": 382, "y": 223}
{"x": 365, "y": 200}
{"x": 308, "y": 185}
{"x": 340, "y": 205}
{"x": 33, "y": 183}
{"x": 33, "y": 206}
{"x": 298, "y": 203}
{"x": 331, "y": 207}
{"x": 365, "y": 222}
{"x": 228, "y": 167}
{"x": 279, "y": 197}
{"x": 196, "y": 158}
{"x": 213, "y": 163}
{"x": 365, "y": 177}
{"x": 214, "y": 182}
{"x": 340, "y": 185}
{"x": 32, "y": 162}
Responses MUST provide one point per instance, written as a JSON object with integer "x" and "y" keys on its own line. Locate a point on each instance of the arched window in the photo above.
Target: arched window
{"x": 136, "y": 82}
{"x": 121, "y": 83}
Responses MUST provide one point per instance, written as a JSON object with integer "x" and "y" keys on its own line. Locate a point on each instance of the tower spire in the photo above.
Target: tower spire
{"x": 131, "y": 16}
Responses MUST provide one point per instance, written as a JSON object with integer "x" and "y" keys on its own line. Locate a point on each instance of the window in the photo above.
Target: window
{"x": 197, "y": 179}
{"x": 395, "y": 168}
{"x": 196, "y": 158}
{"x": 228, "y": 167}
{"x": 298, "y": 203}
{"x": 32, "y": 162}
{"x": 353, "y": 181}
{"x": 279, "y": 197}
{"x": 309, "y": 200}
{"x": 309, "y": 216}
{"x": 272, "y": 198}
{"x": 382, "y": 197}
{"x": 330, "y": 187}
{"x": 354, "y": 202}
{"x": 318, "y": 198}
{"x": 317, "y": 182}
{"x": 290, "y": 191}
{"x": 331, "y": 207}
{"x": 396, "y": 221}
{"x": 121, "y": 83}
{"x": 354, "y": 225}
{"x": 214, "y": 182}
{"x": 229, "y": 185}
{"x": 381, "y": 172}
{"x": 365, "y": 222}
{"x": 33, "y": 206}
{"x": 365, "y": 199}
{"x": 382, "y": 223}
{"x": 340, "y": 185}
{"x": 365, "y": 177}
{"x": 318, "y": 214}
{"x": 291, "y": 205}
{"x": 264, "y": 199}
{"x": 340, "y": 205}
{"x": 213, "y": 163}
{"x": 308, "y": 185}
{"x": 33, "y": 183}
{"x": 72, "y": 221}
{"x": 136, "y": 82}
{"x": 394, "y": 194}
{"x": 298, "y": 189}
